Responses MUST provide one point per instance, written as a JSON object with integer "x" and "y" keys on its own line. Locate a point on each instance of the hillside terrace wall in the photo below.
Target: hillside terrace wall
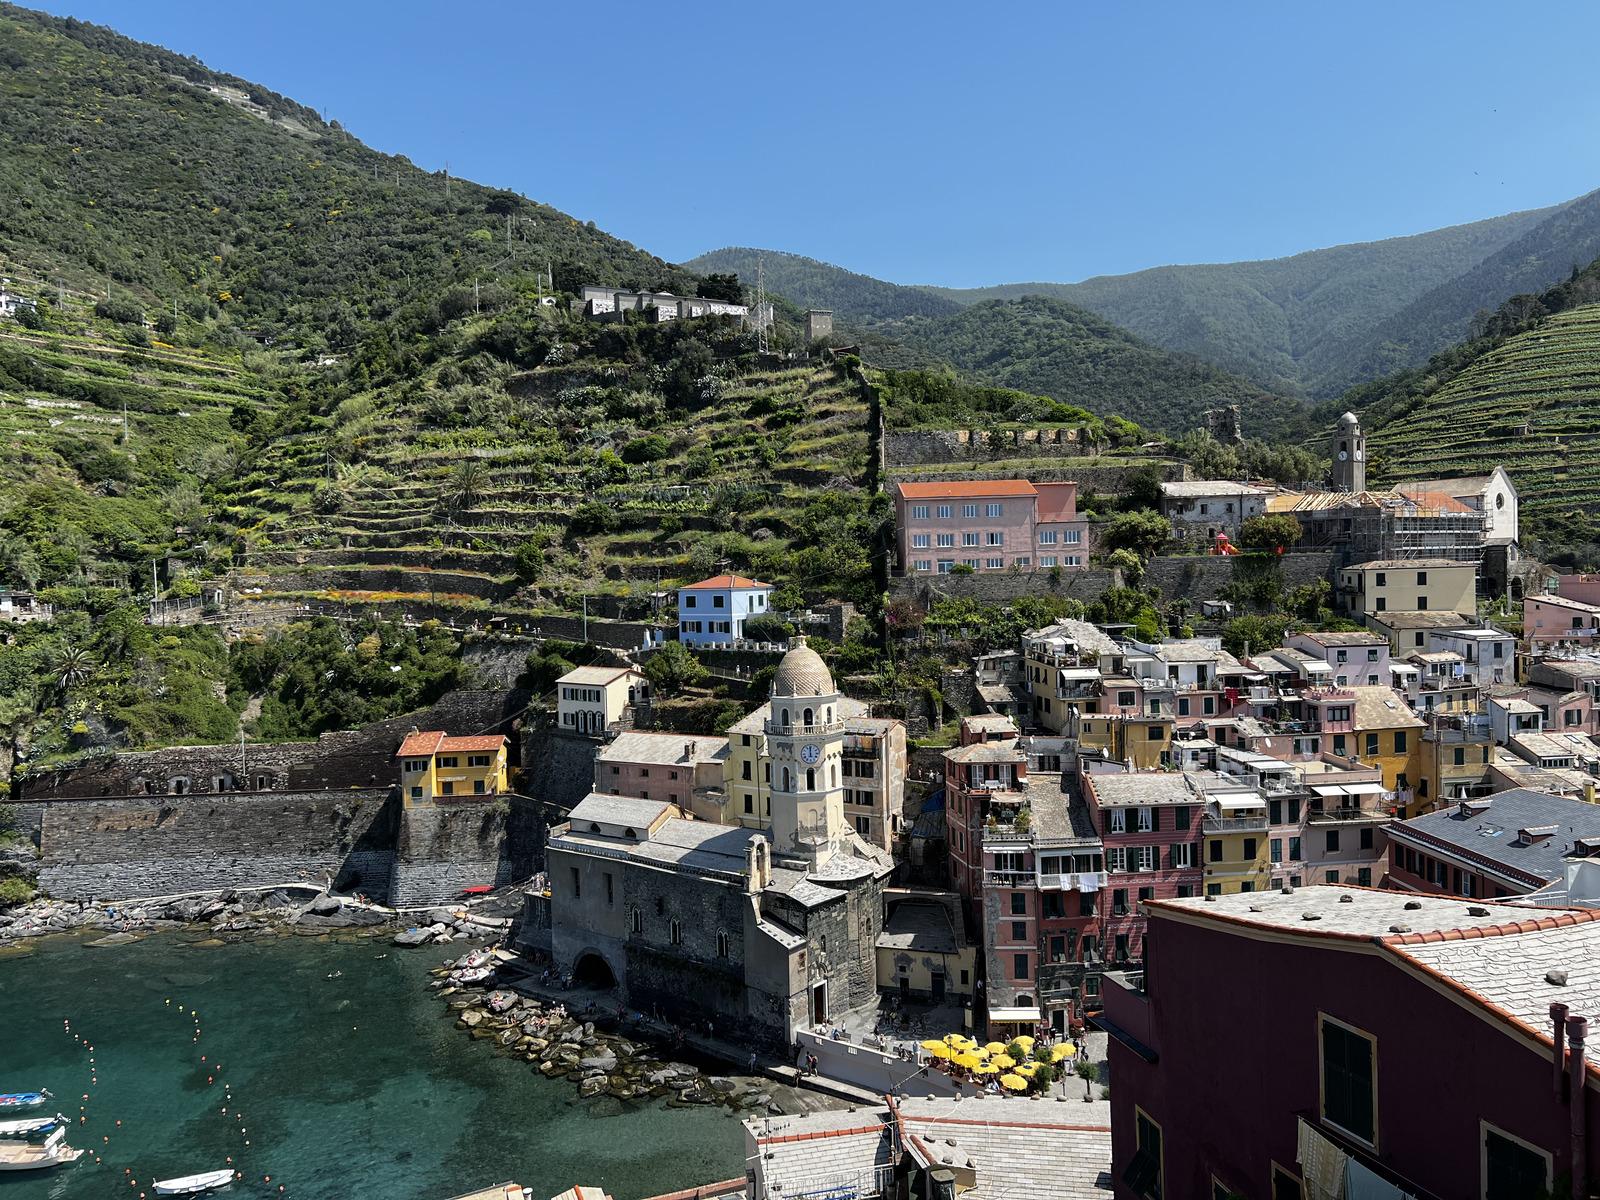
{"x": 977, "y": 445}
{"x": 376, "y": 579}
{"x": 1000, "y": 587}
{"x": 1197, "y": 578}
{"x": 1104, "y": 480}
{"x": 444, "y": 848}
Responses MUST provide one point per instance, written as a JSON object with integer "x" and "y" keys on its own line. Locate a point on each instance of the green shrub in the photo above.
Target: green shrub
{"x": 963, "y": 569}
{"x": 124, "y": 310}
{"x": 529, "y": 562}
{"x": 652, "y": 448}
{"x": 593, "y": 517}
{"x": 30, "y": 318}
{"x": 15, "y": 891}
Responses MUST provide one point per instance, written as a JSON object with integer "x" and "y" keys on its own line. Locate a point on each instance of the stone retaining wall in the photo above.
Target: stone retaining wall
{"x": 998, "y": 587}
{"x": 130, "y": 846}
{"x": 1200, "y": 577}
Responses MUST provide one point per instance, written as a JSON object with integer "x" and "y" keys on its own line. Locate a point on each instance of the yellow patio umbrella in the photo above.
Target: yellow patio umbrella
{"x": 967, "y": 1060}
{"x": 954, "y": 1039}
{"x": 996, "y": 1047}
{"x": 980, "y": 1051}
{"x": 1003, "y": 1060}
{"x": 1024, "y": 1038}
{"x": 1015, "y": 1083}
{"x": 986, "y": 1068}
{"x": 1064, "y": 1050}
{"x": 1026, "y": 1069}
{"x": 933, "y": 1047}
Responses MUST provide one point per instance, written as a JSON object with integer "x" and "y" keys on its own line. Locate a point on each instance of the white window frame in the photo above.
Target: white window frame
{"x": 969, "y": 510}
{"x": 1047, "y": 560}
{"x": 920, "y": 541}
{"x": 1074, "y": 537}
{"x": 1119, "y": 820}
{"x": 945, "y": 511}
{"x": 994, "y": 510}
{"x": 1047, "y": 537}
{"x": 945, "y": 541}
{"x": 995, "y": 539}
{"x": 922, "y": 564}
{"x": 919, "y": 512}
{"x": 1483, "y": 1155}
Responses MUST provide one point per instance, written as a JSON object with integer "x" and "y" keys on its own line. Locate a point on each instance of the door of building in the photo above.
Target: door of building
{"x": 938, "y": 988}
{"x": 819, "y": 1004}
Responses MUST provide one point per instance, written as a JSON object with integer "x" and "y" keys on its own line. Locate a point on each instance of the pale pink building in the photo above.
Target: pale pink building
{"x": 990, "y": 525}
{"x": 1558, "y": 619}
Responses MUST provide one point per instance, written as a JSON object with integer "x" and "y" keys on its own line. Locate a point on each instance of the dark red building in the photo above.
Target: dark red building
{"x": 1277, "y": 1044}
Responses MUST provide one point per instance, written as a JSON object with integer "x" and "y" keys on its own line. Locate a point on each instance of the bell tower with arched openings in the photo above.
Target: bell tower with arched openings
{"x": 805, "y": 737}
{"x": 1349, "y": 454}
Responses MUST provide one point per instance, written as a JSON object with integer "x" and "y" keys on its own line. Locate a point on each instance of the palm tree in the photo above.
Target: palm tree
{"x": 73, "y": 665}
{"x": 466, "y": 483}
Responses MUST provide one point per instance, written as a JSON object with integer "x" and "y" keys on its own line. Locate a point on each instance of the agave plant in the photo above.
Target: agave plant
{"x": 72, "y": 666}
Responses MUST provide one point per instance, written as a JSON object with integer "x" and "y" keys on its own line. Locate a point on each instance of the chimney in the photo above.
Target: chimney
{"x": 688, "y": 752}
{"x": 1558, "y": 1019}
{"x": 1588, "y": 791}
{"x": 1577, "y": 1031}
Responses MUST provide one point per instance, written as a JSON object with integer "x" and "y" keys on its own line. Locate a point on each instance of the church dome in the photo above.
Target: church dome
{"x": 802, "y": 672}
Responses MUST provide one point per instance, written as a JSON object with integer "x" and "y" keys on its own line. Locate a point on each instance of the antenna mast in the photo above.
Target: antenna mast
{"x": 761, "y": 308}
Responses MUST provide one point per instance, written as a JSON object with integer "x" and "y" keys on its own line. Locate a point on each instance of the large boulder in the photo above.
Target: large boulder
{"x": 18, "y": 858}
{"x": 604, "y": 1062}
{"x": 592, "y": 1087}
{"x": 324, "y": 906}
{"x": 413, "y": 937}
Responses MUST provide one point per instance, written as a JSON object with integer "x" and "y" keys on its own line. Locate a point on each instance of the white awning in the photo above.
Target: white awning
{"x": 1317, "y": 668}
{"x": 1247, "y": 800}
{"x": 1347, "y": 789}
{"x": 1006, "y": 1015}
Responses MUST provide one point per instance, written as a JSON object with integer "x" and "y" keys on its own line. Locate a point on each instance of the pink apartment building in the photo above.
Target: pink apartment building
{"x": 989, "y": 525}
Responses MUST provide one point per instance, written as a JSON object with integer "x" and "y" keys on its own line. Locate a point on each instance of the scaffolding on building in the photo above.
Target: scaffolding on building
{"x": 1386, "y": 525}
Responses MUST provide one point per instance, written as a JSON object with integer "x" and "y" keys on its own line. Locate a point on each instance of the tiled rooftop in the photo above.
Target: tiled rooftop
{"x": 1142, "y": 788}
{"x": 1022, "y": 1149}
{"x": 1366, "y": 914}
{"x": 1490, "y": 830}
{"x": 922, "y": 926}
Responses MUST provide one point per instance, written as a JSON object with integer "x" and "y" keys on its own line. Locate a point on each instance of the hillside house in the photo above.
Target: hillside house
{"x": 438, "y": 769}
{"x": 1385, "y": 525}
{"x": 988, "y": 525}
{"x": 1547, "y": 619}
{"x": 714, "y": 611}
{"x": 1352, "y": 658}
{"x": 605, "y": 303}
{"x": 1202, "y": 509}
{"x": 1412, "y": 630}
{"x": 1408, "y": 585}
{"x": 591, "y": 700}
{"x": 682, "y": 769}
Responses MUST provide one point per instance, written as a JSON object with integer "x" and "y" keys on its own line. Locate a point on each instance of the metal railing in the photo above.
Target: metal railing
{"x": 1011, "y": 879}
{"x": 779, "y": 729}
{"x": 1233, "y": 824}
{"x": 1346, "y": 813}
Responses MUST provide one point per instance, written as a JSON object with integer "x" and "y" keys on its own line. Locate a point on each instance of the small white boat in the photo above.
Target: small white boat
{"x": 54, "y": 1152}
{"x": 28, "y": 1127}
{"x": 193, "y": 1185}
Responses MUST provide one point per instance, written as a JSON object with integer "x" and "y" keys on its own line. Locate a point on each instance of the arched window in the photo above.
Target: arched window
{"x": 829, "y": 717}
{"x": 637, "y": 919}
{"x": 722, "y": 945}
{"x": 808, "y": 720}
{"x": 786, "y": 779}
{"x": 675, "y": 932}
{"x": 835, "y": 770}
{"x": 811, "y": 780}
{"x": 786, "y": 716}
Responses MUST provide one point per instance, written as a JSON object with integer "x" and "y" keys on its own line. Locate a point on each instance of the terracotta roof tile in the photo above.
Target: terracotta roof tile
{"x": 717, "y": 582}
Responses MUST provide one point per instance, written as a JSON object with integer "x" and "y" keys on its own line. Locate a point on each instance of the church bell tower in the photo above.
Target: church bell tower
{"x": 1349, "y": 455}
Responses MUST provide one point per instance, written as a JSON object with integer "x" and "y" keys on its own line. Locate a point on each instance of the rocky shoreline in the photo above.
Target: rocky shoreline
{"x": 229, "y": 915}
{"x": 560, "y": 1045}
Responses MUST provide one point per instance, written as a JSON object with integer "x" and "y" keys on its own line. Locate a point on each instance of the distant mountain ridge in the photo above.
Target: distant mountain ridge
{"x": 1312, "y": 324}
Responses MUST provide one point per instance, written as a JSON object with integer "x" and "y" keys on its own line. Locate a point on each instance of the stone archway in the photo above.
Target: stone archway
{"x": 593, "y": 971}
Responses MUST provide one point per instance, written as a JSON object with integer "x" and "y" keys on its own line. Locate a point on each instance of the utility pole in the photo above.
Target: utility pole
{"x": 586, "y": 618}
{"x": 241, "y": 754}
{"x": 447, "y": 179}
{"x": 474, "y": 293}
{"x": 761, "y": 308}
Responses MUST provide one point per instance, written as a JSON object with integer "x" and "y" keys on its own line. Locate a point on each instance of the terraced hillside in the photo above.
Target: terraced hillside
{"x": 603, "y": 487}
{"x": 1546, "y": 380}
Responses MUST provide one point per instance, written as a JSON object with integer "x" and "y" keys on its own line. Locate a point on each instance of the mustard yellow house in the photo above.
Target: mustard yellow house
{"x": 436, "y": 768}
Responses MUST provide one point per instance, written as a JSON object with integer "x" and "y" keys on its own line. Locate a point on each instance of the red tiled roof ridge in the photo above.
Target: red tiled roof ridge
{"x": 725, "y": 581}
{"x": 822, "y": 1133}
{"x": 1562, "y": 920}
{"x": 1446, "y": 847}
{"x": 432, "y": 741}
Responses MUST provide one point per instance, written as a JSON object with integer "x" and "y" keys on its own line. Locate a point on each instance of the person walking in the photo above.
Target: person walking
{"x": 752, "y": 1065}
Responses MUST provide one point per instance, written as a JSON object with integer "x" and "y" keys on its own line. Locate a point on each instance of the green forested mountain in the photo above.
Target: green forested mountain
{"x": 858, "y": 299}
{"x": 1285, "y": 322}
{"x": 1050, "y": 347}
{"x": 1312, "y": 324}
{"x": 126, "y": 166}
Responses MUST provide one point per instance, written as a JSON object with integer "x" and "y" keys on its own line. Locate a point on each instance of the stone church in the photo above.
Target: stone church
{"x": 765, "y": 932}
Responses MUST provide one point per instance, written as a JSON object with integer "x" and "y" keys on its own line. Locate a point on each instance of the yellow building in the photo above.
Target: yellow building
{"x": 592, "y": 699}
{"x": 1410, "y": 585}
{"x": 1457, "y": 750}
{"x": 923, "y": 951}
{"x": 1385, "y": 734}
{"x": 1234, "y": 829}
{"x": 435, "y": 768}
{"x": 1144, "y": 742}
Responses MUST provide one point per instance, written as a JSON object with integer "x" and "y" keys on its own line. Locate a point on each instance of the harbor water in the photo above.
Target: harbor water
{"x": 339, "y": 1072}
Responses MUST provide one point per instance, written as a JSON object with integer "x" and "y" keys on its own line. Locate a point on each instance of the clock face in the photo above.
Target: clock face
{"x": 1343, "y": 456}
{"x": 810, "y": 754}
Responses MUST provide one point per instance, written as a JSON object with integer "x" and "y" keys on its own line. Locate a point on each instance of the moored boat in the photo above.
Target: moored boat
{"x": 193, "y": 1185}
{"x": 17, "y": 1156}
{"x": 21, "y": 1101}
{"x": 29, "y": 1127}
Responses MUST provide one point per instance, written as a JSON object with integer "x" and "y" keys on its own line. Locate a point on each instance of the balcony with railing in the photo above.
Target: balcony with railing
{"x": 1009, "y": 879}
{"x": 822, "y": 729}
{"x": 1347, "y": 815}
{"x": 1078, "y": 691}
{"x": 1294, "y": 728}
{"x": 1210, "y": 824}
{"x": 1076, "y": 881}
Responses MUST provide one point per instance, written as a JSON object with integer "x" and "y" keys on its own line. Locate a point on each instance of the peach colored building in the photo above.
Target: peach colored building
{"x": 989, "y": 525}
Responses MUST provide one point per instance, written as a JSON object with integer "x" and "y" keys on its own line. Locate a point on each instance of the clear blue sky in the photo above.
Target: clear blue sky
{"x": 940, "y": 143}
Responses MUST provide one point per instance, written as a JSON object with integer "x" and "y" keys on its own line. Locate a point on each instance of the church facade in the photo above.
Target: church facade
{"x": 764, "y": 932}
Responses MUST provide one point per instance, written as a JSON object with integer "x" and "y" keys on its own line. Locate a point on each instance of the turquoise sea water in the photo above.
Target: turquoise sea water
{"x": 355, "y": 1087}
